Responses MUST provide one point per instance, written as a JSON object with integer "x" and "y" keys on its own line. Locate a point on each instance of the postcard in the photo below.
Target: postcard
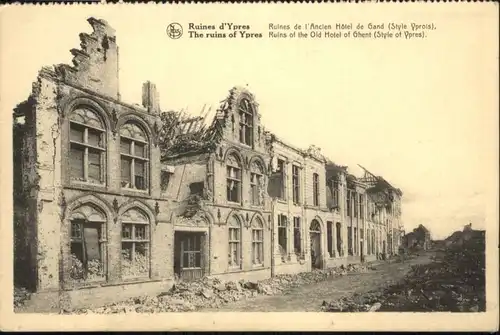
{"x": 250, "y": 166}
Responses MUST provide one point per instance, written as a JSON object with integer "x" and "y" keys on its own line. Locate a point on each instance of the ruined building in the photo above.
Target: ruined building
{"x": 115, "y": 200}
{"x": 420, "y": 237}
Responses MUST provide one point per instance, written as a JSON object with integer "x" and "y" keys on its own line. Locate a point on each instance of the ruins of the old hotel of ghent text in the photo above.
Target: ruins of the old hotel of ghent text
{"x": 110, "y": 195}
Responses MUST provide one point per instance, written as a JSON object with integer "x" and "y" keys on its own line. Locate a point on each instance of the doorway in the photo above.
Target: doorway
{"x": 188, "y": 255}
{"x": 315, "y": 238}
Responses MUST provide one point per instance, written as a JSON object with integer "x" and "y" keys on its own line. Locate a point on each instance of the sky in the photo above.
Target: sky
{"x": 421, "y": 113}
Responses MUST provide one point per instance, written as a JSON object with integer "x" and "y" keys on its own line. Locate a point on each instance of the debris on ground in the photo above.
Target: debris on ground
{"x": 213, "y": 292}
{"x": 21, "y": 294}
{"x": 453, "y": 282}
{"x": 354, "y": 303}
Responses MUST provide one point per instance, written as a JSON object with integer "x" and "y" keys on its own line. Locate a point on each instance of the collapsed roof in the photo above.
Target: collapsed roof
{"x": 183, "y": 135}
{"x": 377, "y": 184}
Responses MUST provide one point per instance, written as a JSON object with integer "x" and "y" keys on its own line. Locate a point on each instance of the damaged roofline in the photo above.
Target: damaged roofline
{"x": 276, "y": 139}
{"x": 48, "y": 72}
{"x": 302, "y": 152}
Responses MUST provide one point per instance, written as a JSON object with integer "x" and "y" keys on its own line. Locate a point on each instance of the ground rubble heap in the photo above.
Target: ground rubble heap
{"x": 213, "y": 292}
{"x": 453, "y": 282}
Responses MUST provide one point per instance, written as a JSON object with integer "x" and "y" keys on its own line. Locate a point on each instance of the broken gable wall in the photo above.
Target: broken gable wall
{"x": 50, "y": 191}
{"x": 229, "y": 112}
{"x": 221, "y": 209}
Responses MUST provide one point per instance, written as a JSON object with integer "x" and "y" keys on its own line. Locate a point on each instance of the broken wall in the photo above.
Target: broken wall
{"x": 187, "y": 171}
{"x": 95, "y": 64}
{"x": 92, "y": 83}
{"x": 25, "y": 189}
{"x": 43, "y": 180}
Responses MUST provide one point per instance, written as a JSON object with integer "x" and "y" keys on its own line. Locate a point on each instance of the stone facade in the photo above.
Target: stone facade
{"x": 108, "y": 200}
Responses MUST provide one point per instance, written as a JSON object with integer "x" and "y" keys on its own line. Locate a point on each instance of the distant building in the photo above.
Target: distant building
{"x": 459, "y": 237}
{"x": 419, "y": 237}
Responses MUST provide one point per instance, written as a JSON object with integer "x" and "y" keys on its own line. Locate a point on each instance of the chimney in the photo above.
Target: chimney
{"x": 150, "y": 98}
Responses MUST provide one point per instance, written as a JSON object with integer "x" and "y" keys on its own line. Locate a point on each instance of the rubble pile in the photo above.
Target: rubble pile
{"x": 78, "y": 272}
{"x": 21, "y": 294}
{"x": 213, "y": 292}
{"x": 453, "y": 282}
{"x": 138, "y": 267}
{"x": 404, "y": 257}
{"x": 355, "y": 303}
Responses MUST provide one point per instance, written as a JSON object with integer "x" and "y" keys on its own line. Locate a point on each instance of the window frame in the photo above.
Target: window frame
{"x": 355, "y": 204}
{"x": 297, "y": 229}
{"x": 361, "y": 206}
{"x": 245, "y": 112}
{"x": 235, "y": 225}
{"x": 339, "y": 244}
{"x": 236, "y": 180}
{"x": 368, "y": 241}
{"x": 355, "y": 241}
{"x": 336, "y": 193}
{"x": 329, "y": 238}
{"x": 316, "y": 190}
{"x": 350, "y": 242}
{"x": 195, "y": 249}
{"x": 257, "y": 244}
{"x": 134, "y": 242}
{"x": 283, "y": 227}
{"x": 256, "y": 180}
{"x": 131, "y": 158}
{"x": 349, "y": 203}
{"x": 296, "y": 184}
{"x": 85, "y": 147}
{"x": 102, "y": 240}
{"x": 281, "y": 164}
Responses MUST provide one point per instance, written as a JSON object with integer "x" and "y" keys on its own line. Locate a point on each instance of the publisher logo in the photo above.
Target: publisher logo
{"x": 174, "y": 30}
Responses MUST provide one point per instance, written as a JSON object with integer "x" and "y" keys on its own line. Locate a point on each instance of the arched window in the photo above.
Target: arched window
{"x": 134, "y": 157}
{"x": 233, "y": 179}
{"x": 234, "y": 257}
{"x": 257, "y": 243}
{"x": 135, "y": 244}
{"x": 88, "y": 244}
{"x": 87, "y": 146}
{"x": 246, "y": 122}
{"x": 256, "y": 180}
{"x": 315, "y": 227}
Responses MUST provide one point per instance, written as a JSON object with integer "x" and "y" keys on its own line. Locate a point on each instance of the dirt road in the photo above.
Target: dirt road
{"x": 310, "y": 297}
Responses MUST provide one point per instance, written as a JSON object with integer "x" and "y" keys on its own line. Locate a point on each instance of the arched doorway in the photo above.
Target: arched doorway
{"x": 315, "y": 238}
